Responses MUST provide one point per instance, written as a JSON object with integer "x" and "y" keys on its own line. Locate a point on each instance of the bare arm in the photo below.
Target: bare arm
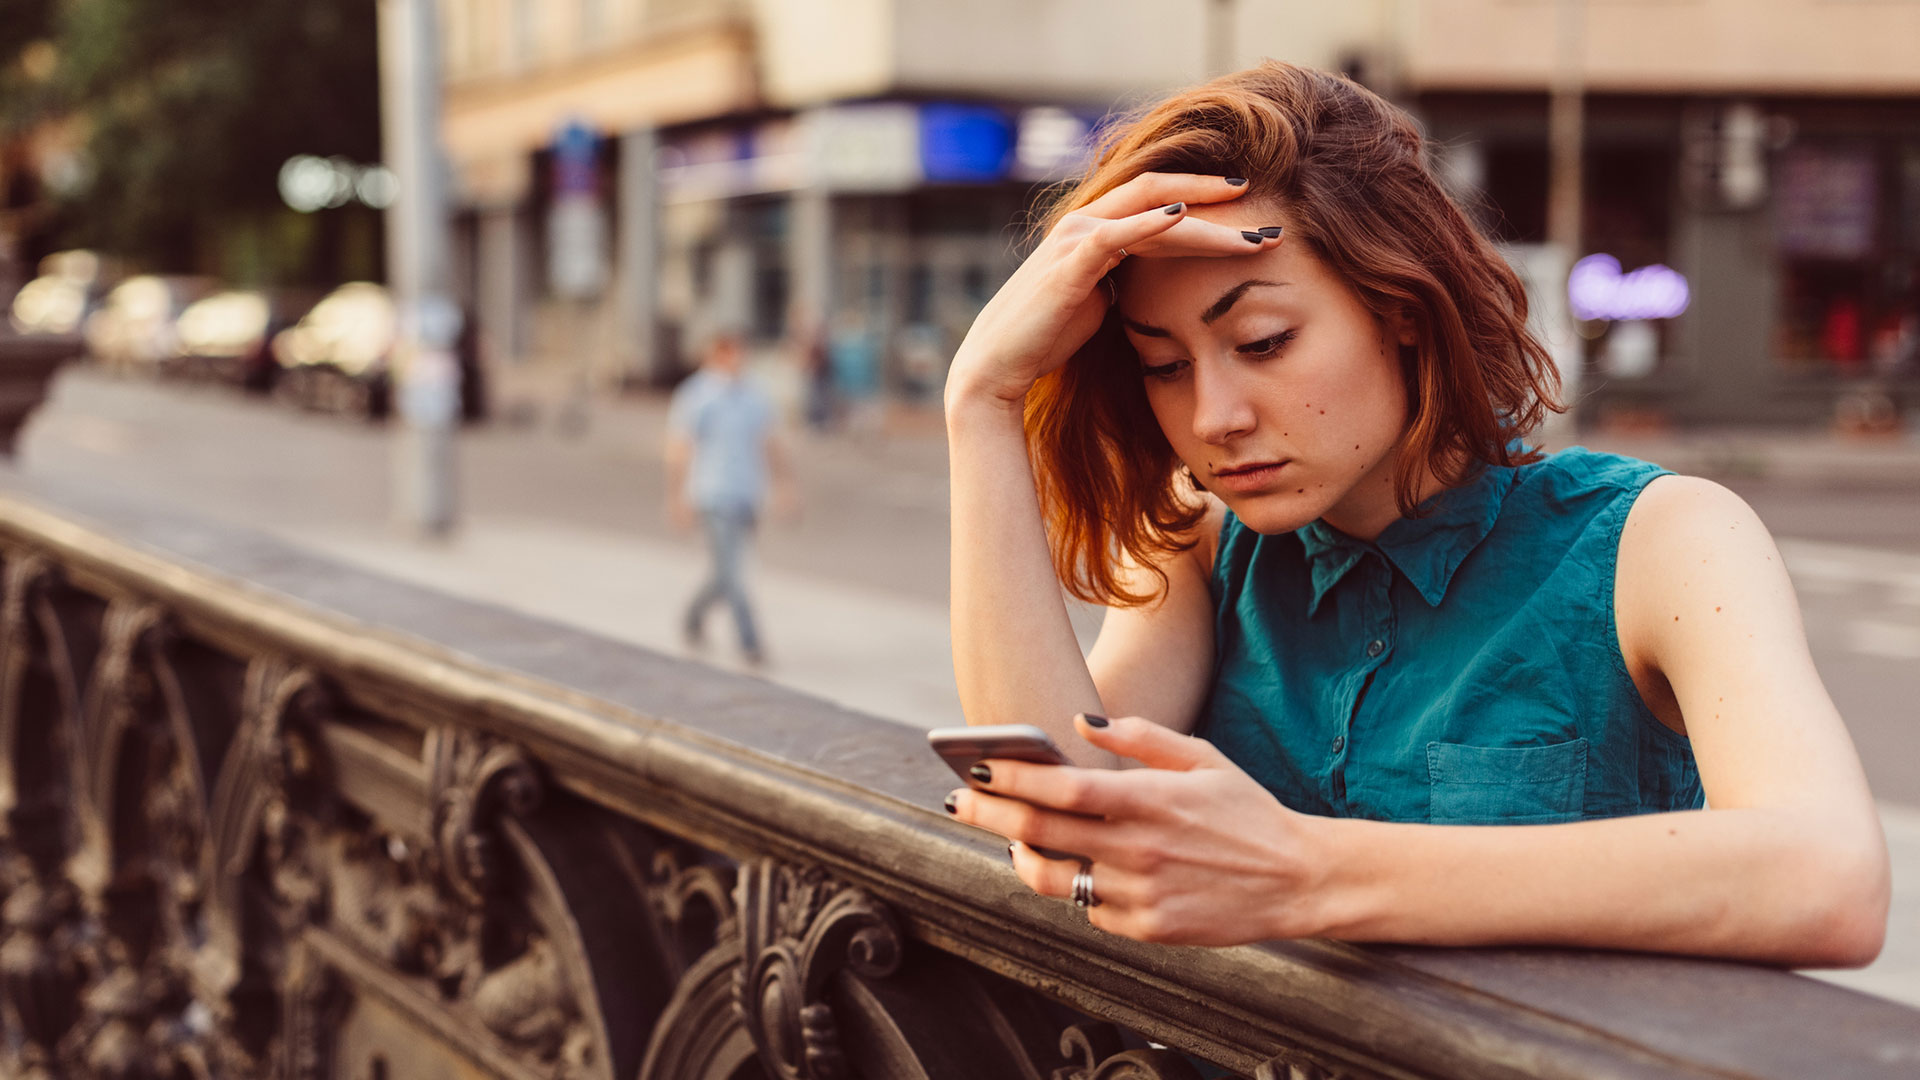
{"x": 1014, "y": 654}
{"x": 1788, "y": 866}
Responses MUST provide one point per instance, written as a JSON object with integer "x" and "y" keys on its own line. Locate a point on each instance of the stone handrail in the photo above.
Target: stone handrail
{"x": 262, "y": 815}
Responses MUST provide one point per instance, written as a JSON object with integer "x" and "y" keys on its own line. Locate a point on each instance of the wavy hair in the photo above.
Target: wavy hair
{"x": 1351, "y": 173}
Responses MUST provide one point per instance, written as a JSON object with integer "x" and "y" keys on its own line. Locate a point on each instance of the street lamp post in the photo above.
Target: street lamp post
{"x": 1566, "y": 137}
{"x": 425, "y": 372}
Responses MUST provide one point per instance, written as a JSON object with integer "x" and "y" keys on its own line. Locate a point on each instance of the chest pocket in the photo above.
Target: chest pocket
{"x": 1506, "y": 785}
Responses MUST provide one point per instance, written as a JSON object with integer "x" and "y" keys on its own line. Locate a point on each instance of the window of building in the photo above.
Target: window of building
{"x": 1847, "y": 237}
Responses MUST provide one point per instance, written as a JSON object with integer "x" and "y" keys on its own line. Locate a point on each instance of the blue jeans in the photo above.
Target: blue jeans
{"x": 728, "y": 529}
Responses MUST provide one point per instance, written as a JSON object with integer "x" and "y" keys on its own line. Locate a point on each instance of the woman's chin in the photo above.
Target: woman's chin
{"x": 1273, "y": 513}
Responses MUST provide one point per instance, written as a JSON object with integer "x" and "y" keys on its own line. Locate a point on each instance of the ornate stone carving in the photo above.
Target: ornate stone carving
{"x": 473, "y": 778}
{"x": 693, "y": 900}
{"x": 1094, "y": 1052}
{"x": 41, "y": 971}
{"x": 801, "y": 930}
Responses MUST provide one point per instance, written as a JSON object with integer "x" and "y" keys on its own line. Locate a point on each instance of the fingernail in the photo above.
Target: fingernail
{"x": 1272, "y": 232}
{"x": 1094, "y": 721}
{"x": 1254, "y": 237}
{"x": 1175, "y": 208}
{"x": 953, "y": 803}
{"x": 1236, "y": 181}
{"x": 981, "y": 773}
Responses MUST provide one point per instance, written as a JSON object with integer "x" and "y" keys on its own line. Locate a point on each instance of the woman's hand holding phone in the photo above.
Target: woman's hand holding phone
{"x": 1189, "y": 850}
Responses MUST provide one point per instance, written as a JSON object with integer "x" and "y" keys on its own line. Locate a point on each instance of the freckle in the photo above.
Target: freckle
{"x": 1673, "y": 832}
{"x": 1676, "y": 618}
{"x": 1716, "y": 609}
{"x": 1303, "y": 491}
{"x": 1356, "y": 446}
{"x": 1323, "y": 412}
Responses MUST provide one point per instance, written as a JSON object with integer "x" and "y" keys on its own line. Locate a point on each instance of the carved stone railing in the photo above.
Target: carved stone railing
{"x": 267, "y": 817}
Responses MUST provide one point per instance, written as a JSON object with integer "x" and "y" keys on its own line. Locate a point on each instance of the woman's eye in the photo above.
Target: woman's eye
{"x": 1162, "y": 371}
{"x": 1267, "y": 346}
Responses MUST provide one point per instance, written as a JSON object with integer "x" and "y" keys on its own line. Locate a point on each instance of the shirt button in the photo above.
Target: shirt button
{"x": 1376, "y": 647}
{"x": 1339, "y": 743}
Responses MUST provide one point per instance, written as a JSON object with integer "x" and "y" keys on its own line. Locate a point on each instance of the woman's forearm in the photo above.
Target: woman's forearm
{"x": 1773, "y": 885}
{"x": 1015, "y": 656}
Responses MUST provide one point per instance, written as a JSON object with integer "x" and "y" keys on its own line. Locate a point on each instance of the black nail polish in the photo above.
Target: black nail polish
{"x": 953, "y": 803}
{"x": 1094, "y": 721}
{"x": 1236, "y": 181}
{"x": 1272, "y": 232}
{"x": 1175, "y": 208}
{"x": 981, "y": 773}
{"x": 1253, "y": 237}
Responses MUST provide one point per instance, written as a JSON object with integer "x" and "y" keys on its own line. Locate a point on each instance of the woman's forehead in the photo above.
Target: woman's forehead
{"x": 1162, "y": 291}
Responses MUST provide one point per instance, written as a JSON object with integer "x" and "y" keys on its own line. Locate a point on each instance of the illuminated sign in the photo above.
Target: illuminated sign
{"x": 1596, "y": 289}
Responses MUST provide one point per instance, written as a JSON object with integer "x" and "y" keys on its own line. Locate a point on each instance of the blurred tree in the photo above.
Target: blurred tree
{"x": 188, "y": 109}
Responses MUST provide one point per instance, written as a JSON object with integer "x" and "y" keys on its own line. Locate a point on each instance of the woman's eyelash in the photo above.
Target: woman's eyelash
{"x": 1267, "y": 345}
{"x": 1263, "y": 347}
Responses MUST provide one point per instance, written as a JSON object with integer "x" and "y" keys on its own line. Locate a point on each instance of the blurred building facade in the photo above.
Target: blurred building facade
{"x": 856, "y": 173}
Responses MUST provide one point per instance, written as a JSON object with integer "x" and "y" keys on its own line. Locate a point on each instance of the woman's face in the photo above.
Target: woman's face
{"x": 1273, "y": 382}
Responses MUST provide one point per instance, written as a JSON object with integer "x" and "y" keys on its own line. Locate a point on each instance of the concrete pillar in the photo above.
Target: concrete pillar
{"x": 1728, "y": 327}
{"x": 810, "y": 261}
{"x": 501, "y": 303}
{"x": 636, "y": 278}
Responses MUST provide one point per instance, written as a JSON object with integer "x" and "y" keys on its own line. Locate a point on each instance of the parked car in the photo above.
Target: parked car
{"x": 227, "y": 337}
{"x": 338, "y": 357}
{"x": 134, "y": 329}
{"x": 58, "y": 301}
{"x": 335, "y": 359}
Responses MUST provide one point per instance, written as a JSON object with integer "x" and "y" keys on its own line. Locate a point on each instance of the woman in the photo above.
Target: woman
{"x": 1274, "y": 390}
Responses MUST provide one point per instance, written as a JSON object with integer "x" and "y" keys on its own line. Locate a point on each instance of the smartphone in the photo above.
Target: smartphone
{"x": 960, "y": 747}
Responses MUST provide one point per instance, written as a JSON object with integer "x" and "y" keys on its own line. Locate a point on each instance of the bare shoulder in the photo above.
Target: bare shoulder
{"x": 1681, "y": 515}
{"x": 1697, "y": 566}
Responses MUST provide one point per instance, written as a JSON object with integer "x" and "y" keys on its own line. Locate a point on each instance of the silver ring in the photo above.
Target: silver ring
{"x": 1083, "y": 888}
{"x": 1123, "y": 254}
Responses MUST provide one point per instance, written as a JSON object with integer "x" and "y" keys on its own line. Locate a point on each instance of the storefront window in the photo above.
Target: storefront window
{"x": 1846, "y": 236}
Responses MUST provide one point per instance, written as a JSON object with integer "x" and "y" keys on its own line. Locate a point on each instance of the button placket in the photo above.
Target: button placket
{"x": 1379, "y": 622}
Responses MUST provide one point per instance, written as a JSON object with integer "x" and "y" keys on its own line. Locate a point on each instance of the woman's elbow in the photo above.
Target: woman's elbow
{"x": 1848, "y": 926}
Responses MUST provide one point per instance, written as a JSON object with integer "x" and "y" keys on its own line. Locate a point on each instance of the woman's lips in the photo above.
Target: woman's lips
{"x": 1249, "y": 477}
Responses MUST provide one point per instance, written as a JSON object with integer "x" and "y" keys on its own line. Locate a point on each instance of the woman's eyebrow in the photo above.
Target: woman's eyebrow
{"x": 1220, "y": 307}
{"x": 1232, "y": 296}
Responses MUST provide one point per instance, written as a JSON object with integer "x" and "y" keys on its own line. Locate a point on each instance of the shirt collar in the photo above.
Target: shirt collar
{"x": 1426, "y": 549}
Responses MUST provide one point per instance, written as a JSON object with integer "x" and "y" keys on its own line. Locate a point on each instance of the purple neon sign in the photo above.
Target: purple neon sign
{"x": 1596, "y": 289}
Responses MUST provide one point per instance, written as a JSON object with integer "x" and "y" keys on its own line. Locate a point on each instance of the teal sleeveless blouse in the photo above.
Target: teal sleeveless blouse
{"x": 1463, "y": 668}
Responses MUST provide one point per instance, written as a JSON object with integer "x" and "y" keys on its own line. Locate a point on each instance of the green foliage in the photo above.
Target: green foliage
{"x": 191, "y": 107}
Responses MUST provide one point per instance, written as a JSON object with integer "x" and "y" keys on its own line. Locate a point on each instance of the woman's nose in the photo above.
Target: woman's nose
{"x": 1221, "y": 409}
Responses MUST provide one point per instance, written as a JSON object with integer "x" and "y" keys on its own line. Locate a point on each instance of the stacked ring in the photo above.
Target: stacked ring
{"x": 1083, "y": 888}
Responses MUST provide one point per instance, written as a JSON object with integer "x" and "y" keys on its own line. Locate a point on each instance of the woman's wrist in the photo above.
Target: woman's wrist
{"x": 967, "y": 398}
{"x": 1329, "y": 896}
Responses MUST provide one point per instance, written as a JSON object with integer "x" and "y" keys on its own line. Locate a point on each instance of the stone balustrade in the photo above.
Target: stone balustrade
{"x": 265, "y": 816}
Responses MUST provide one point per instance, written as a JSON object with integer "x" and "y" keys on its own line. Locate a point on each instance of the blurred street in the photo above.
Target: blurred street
{"x": 853, "y": 594}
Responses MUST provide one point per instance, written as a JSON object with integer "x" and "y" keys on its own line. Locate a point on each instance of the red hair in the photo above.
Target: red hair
{"x": 1351, "y": 174}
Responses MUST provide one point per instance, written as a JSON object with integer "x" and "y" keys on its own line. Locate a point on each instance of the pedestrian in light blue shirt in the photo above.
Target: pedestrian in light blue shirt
{"x": 722, "y": 451}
